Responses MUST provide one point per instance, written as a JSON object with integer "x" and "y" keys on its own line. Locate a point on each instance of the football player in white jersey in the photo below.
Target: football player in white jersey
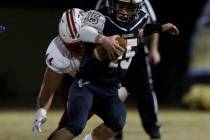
{"x": 59, "y": 61}
{"x": 63, "y": 57}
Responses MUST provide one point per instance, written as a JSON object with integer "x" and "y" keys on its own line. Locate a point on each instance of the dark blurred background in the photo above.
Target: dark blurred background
{"x": 30, "y": 26}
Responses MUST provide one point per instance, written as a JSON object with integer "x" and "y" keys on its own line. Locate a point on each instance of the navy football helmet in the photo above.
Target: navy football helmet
{"x": 125, "y": 10}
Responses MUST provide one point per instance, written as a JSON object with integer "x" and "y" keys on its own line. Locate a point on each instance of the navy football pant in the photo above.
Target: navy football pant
{"x": 102, "y": 101}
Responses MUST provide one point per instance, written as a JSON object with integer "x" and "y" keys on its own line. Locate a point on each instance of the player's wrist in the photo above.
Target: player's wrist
{"x": 99, "y": 39}
{"x": 41, "y": 112}
{"x": 154, "y": 50}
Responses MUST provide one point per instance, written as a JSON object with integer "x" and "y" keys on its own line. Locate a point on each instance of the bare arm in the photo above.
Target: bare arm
{"x": 154, "y": 41}
{"x": 153, "y": 30}
{"x": 154, "y": 54}
{"x": 51, "y": 81}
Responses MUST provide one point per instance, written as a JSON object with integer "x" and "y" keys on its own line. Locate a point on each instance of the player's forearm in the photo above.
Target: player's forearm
{"x": 109, "y": 43}
{"x": 45, "y": 98}
{"x": 88, "y": 34}
{"x": 91, "y": 35}
{"x": 48, "y": 88}
{"x": 154, "y": 42}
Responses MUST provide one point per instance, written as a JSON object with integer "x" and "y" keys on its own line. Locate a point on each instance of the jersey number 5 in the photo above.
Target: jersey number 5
{"x": 124, "y": 61}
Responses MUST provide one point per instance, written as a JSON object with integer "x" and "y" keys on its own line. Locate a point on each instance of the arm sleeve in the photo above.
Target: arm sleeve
{"x": 55, "y": 59}
{"x": 152, "y": 28}
{"x": 88, "y": 34}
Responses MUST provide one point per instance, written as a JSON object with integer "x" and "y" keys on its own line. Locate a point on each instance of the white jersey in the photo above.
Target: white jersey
{"x": 59, "y": 59}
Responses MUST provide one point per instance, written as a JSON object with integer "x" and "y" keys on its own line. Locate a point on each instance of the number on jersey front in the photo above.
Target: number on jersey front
{"x": 124, "y": 61}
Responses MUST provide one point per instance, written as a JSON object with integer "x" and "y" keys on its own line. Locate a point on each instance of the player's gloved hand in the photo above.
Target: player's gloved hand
{"x": 39, "y": 120}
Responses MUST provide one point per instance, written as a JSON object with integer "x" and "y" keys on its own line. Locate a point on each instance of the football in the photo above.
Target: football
{"x": 101, "y": 54}
{"x": 122, "y": 42}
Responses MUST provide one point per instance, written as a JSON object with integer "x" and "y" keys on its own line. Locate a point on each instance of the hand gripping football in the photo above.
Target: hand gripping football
{"x": 122, "y": 42}
{"x": 101, "y": 54}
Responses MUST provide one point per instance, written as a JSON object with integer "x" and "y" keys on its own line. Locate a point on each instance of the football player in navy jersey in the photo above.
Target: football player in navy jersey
{"x": 96, "y": 83}
{"x": 140, "y": 71}
{"x": 139, "y": 80}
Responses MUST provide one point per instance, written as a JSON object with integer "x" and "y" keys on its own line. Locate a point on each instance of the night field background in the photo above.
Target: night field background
{"x": 183, "y": 92}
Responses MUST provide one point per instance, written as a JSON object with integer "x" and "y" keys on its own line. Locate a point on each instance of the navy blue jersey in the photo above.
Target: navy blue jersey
{"x": 110, "y": 73}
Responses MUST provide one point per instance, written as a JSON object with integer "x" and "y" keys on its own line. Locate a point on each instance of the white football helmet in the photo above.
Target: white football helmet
{"x": 70, "y": 25}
